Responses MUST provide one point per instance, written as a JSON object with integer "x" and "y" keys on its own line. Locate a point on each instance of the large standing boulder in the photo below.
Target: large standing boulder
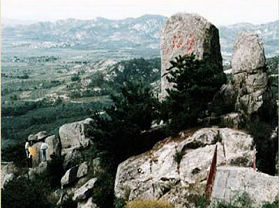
{"x": 232, "y": 181}
{"x": 74, "y": 138}
{"x": 184, "y": 34}
{"x": 53, "y": 148}
{"x": 249, "y": 76}
{"x": 176, "y": 169}
{"x": 75, "y": 134}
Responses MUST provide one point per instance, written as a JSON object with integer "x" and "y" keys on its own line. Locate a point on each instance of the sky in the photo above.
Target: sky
{"x": 219, "y": 12}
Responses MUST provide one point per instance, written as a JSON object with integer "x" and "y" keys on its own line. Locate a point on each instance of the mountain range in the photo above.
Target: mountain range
{"x": 131, "y": 34}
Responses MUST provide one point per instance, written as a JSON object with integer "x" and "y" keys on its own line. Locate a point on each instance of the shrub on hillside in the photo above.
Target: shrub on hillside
{"x": 136, "y": 69}
{"x": 55, "y": 171}
{"x": 15, "y": 153}
{"x": 75, "y": 78}
{"x": 266, "y": 147}
{"x": 24, "y": 193}
{"x": 103, "y": 192}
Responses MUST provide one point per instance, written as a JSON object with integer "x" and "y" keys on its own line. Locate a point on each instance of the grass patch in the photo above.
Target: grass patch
{"x": 149, "y": 204}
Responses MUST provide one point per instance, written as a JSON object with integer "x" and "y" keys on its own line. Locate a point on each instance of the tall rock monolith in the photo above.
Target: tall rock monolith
{"x": 250, "y": 80}
{"x": 184, "y": 34}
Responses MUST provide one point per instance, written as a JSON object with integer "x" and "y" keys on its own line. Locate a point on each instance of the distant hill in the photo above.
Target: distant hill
{"x": 131, "y": 34}
{"x": 269, "y": 32}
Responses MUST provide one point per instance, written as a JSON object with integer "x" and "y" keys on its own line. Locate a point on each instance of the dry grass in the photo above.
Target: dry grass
{"x": 149, "y": 204}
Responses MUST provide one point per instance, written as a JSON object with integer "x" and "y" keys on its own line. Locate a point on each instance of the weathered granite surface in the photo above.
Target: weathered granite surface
{"x": 184, "y": 34}
{"x": 232, "y": 181}
{"x": 156, "y": 174}
{"x": 249, "y": 75}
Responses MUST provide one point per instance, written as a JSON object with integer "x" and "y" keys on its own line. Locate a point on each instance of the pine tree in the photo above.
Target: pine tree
{"x": 117, "y": 132}
{"x": 194, "y": 85}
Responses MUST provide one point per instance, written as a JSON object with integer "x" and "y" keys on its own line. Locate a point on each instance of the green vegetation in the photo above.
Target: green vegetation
{"x": 148, "y": 71}
{"x": 243, "y": 200}
{"x": 119, "y": 203}
{"x": 21, "y": 192}
{"x": 178, "y": 156}
{"x": 54, "y": 172}
{"x": 266, "y": 147}
{"x": 67, "y": 93}
{"x": 192, "y": 91}
{"x": 103, "y": 194}
{"x": 273, "y": 67}
{"x": 118, "y": 132}
{"x": 132, "y": 112}
{"x": 15, "y": 153}
{"x": 239, "y": 200}
{"x": 24, "y": 193}
{"x": 75, "y": 78}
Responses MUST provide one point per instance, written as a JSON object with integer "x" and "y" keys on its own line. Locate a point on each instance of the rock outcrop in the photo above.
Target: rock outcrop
{"x": 78, "y": 183}
{"x": 40, "y": 136}
{"x": 8, "y": 172}
{"x": 84, "y": 191}
{"x": 87, "y": 204}
{"x": 176, "y": 169}
{"x": 38, "y": 170}
{"x": 53, "y": 148}
{"x": 184, "y": 34}
{"x": 249, "y": 76}
{"x": 74, "y": 138}
{"x": 233, "y": 181}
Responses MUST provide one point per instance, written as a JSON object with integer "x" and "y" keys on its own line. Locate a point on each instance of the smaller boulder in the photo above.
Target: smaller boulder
{"x": 39, "y": 170}
{"x": 71, "y": 155}
{"x": 85, "y": 191}
{"x": 69, "y": 177}
{"x": 8, "y": 172}
{"x": 232, "y": 120}
{"x": 88, "y": 204}
{"x": 82, "y": 170}
{"x": 38, "y": 137}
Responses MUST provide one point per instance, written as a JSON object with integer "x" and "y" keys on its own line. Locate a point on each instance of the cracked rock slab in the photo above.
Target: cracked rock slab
{"x": 156, "y": 175}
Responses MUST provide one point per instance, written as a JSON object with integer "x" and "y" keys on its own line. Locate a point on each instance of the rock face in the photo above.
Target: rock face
{"x": 176, "y": 169}
{"x": 53, "y": 149}
{"x": 69, "y": 177}
{"x": 230, "y": 181}
{"x": 184, "y": 34}
{"x": 249, "y": 74}
{"x": 38, "y": 170}
{"x": 74, "y": 134}
{"x": 74, "y": 137}
{"x": 8, "y": 172}
{"x": 78, "y": 182}
{"x": 38, "y": 137}
{"x": 85, "y": 191}
{"x": 88, "y": 204}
